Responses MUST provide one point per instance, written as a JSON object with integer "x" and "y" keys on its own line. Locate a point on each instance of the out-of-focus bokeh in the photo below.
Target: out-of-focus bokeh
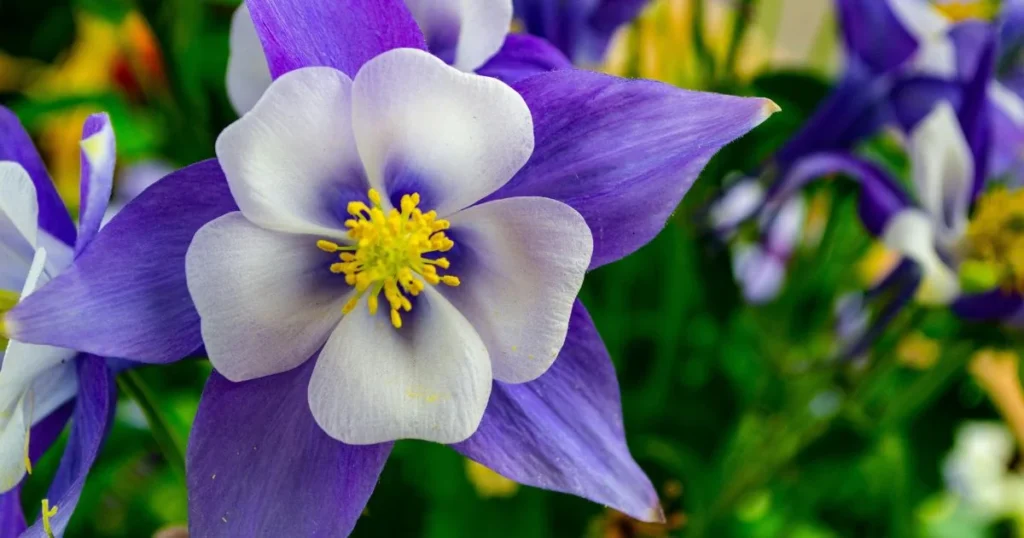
{"x": 734, "y": 400}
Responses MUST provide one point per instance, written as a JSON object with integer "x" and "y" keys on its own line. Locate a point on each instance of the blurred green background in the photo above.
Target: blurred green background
{"x": 739, "y": 413}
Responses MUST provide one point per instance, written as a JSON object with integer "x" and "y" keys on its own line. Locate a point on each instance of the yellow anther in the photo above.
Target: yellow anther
{"x": 375, "y": 197}
{"x": 396, "y": 319}
{"x": 327, "y": 246}
{"x": 995, "y": 239}
{"x": 388, "y": 253}
{"x": 48, "y": 513}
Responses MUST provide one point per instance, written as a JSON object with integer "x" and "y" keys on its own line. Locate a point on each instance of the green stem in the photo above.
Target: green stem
{"x": 745, "y": 12}
{"x": 700, "y": 45}
{"x": 171, "y": 447}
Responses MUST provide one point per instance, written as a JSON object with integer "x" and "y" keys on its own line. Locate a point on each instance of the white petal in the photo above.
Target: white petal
{"x": 525, "y": 262}
{"x": 248, "y": 71}
{"x": 466, "y": 33}
{"x": 19, "y": 210}
{"x": 429, "y": 380}
{"x": 759, "y": 274}
{"x": 740, "y": 201}
{"x": 785, "y": 230}
{"x": 13, "y": 431}
{"x": 19, "y": 224}
{"x": 23, "y": 363}
{"x": 912, "y": 233}
{"x": 920, "y": 18}
{"x": 1007, "y": 101}
{"x": 943, "y": 170}
{"x": 425, "y": 126}
{"x": 52, "y": 389}
{"x": 267, "y": 299}
{"x": 291, "y": 162}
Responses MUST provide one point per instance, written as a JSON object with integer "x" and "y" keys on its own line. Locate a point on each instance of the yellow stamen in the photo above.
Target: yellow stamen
{"x": 961, "y": 10}
{"x": 8, "y": 300}
{"x": 48, "y": 513}
{"x": 388, "y": 253}
{"x": 995, "y": 240}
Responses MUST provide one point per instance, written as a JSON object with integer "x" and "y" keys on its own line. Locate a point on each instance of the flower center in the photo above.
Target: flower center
{"x": 995, "y": 239}
{"x": 388, "y": 253}
{"x": 961, "y": 10}
{"x": 8, "y": 300}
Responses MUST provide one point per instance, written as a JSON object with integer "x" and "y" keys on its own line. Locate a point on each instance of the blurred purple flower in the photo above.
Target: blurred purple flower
{"x": 264, "y": 456}
{"x": 904, "y": 57}
{"x": 42, "y": 387}
{"x": 581, "y": 29}
{"x": 948, "y": 156}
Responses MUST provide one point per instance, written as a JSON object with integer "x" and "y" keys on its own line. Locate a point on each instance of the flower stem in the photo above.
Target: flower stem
{"x": 172, "y": 448}
{"x": 744, "y": 14}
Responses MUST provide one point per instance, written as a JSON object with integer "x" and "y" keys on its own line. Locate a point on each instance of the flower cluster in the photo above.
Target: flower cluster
{"x": 405, "y": 149}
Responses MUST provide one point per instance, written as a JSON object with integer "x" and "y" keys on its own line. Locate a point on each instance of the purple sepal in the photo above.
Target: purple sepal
{"x": 914, "y": 98}
{"x": 343, "y": 34}
{"x": 881, "y": 195}
{"x": 873, "y": 34}
{"x": 581, "y": 29}
{"x": 97, "y": 177}
{"x": 44, "y": 434}
{"x": 564, "y": 431}
{"x": 522, "y": 56}
{"x": 623, "y": 152}
{"x": 259, "y": 465}
{"x": 132, "y": 277}
{"x": 15, "y": 145}
{"x": 995, "y": 305}
{"x": 974, "y": 109}
{"x": 856, "y": 108}
{"x": 94, "y": 410}
{"x": 12, "y": 519}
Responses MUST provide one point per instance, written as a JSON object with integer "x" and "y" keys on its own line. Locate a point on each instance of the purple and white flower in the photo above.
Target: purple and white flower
{"x": 42, "y": 386}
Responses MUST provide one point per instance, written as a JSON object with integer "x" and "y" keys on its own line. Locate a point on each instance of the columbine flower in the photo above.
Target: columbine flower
{"x": 528, "y": 179}
{"x": 471, "y": 36}
{"x": 968, "y": 258}
{"x": 41, "y": 387}
{"x": 358, "y": 190}
{"x": 903, "y": 57}
{"x": 582, "y": 29}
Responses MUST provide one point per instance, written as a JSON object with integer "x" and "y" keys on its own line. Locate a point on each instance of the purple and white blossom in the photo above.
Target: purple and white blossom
{"x": 42, "y": 386}
{"x": 360, "y": 135}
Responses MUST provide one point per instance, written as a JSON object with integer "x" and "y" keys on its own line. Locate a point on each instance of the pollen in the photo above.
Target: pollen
{"x": 390, "y": 254}
{"x": 962, "y": 10}
{"x": 995, "y": 238}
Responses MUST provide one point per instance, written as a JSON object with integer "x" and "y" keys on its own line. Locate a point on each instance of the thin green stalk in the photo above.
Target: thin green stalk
{"x": 744, "y": 14}
{"x": 700, "y": 45}
{"x": 172, "y": 448}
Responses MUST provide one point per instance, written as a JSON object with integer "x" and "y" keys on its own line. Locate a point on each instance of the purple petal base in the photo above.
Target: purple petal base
{"x": 259, "y": 465}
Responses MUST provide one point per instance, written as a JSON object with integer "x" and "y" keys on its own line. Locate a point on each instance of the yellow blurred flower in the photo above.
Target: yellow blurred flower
{"x": 876, "y": 263}
{"x": 105, "y": 56}
{"x": 659, "y": 44}
{"x": 488, "y": 483}
{"x": 918, "y": 351}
